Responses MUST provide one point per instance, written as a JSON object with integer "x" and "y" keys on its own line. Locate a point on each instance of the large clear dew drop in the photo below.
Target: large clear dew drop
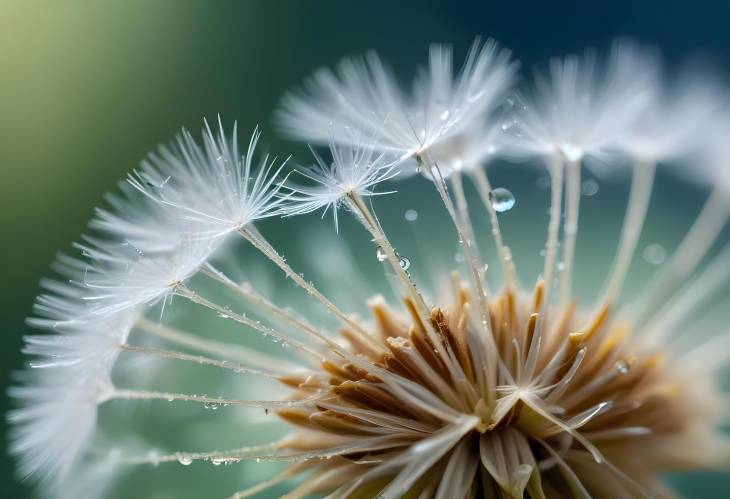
{"x": 502, "y": 199}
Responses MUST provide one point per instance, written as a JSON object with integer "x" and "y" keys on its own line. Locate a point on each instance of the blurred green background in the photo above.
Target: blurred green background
{"x": 87, "y": 88}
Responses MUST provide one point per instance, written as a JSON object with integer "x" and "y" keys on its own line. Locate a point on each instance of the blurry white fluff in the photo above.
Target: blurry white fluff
{"x": 581, "y": 107}
{"x": 58, "y": 401}
{"x": 364, "y": 96}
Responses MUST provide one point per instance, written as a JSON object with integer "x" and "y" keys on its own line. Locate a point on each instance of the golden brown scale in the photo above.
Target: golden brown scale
{"x": 639, "y": 392}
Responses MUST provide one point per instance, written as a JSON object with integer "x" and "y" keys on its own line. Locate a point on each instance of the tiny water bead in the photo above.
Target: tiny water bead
{"x": 622, "y": 367}
{"x": 589, "y": 187}
{"x": 411, "y": 215}
{"x": 405, "y": 262}
{"x": 654, "y": 254}
{"x": 502, "y": 199}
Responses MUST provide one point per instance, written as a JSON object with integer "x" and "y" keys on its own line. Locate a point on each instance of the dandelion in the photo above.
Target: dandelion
{"x": 481, "y": 388}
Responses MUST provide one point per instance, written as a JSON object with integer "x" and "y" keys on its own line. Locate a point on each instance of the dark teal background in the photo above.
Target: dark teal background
{"x": 87, "y": 88}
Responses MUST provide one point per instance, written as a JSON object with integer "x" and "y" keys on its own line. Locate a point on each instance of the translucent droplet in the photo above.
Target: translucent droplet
{"x": 211, "y": 406}
{"x": 411, "y": 215}
{"x": 445, "y": 115}
{"x": 380, "y": 254}
{"x": 405, "y": 262}
{"x": 654, "y": 254}
{"x": 623, "y": 367}
{"x": 502, "y": 200}
{"x": 589, "y": 187}
{"x": 217, "y": 461}
{"x": 184, "y": 459}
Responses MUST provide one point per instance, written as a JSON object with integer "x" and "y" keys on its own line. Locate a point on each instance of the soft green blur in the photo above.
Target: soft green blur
{"x": 87, "y": 88}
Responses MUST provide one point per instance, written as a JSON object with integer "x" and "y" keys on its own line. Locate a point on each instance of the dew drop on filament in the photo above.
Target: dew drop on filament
{"x": 380, "y": 254}
{"x": 405, "y": 262}
{"x": 502, "y": 199}
{"x": 623, "y": 367}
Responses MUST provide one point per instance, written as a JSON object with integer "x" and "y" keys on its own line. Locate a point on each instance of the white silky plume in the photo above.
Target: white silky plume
{"x": 214, "y": 185}
{"x": 356, "y": 168}
{"x": 363, "y": 95}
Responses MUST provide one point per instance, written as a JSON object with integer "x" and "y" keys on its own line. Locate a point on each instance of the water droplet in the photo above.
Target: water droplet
{"x": 502, "y": 200}
{"x": 184, "y": 459}
{"x": 445, "y": 115}
{"x": 212, "y": 406}
{"x": 589, "y": 187}
{"x": 561, "y": 266}
{"x": 217, "y": 460}
{"x": 405, "y": 262}
{"x": 411, "y": 215}
{"x": 623, "y": 367}
{"x": 654, "y": 254}
{"x": 380, "y": 254}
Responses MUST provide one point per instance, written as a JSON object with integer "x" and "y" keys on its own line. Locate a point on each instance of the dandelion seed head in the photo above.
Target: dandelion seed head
{"x": 459, "y": 384}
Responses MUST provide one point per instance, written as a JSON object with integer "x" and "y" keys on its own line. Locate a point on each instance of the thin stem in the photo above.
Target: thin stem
{"x": 462, "y": 206}
{"x": 216, "y": 457}
{"x": 486, "y": 340}
{"x": 642, "y": 183}
{"x": 212, "y": 402}
{"x": 466, "y": 243}
{"x": 693, "y": 248}
{"x": 359, "y": 207}
{"x": 199, "y": 359}
{"x": 225, "y": 313}
{"x": 225, "y": 350}
{"x": 557, "y": 168}
{"x": 252, "y": 296}
{"x": 288, "y": 317}
{"x": 481, "y": 181}
{"x": 260, "y": 243}
{"x": 570, "y": 228}
{"x": 371, "y": 224}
